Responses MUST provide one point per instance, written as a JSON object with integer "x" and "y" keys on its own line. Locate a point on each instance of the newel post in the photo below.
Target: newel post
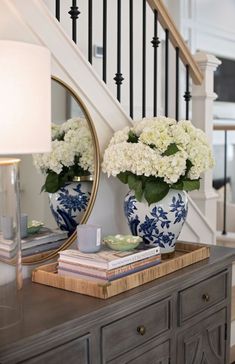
{"x": 203, "y": 97}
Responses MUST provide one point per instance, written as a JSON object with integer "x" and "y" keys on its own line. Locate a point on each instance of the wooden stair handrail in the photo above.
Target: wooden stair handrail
{"x": 224, "y": 127}
{"x": 177, "y": 40}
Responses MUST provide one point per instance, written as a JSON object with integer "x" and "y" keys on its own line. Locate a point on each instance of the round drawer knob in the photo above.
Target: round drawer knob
{"x": 206, "y": 297}
{"x": 141, "y": 330}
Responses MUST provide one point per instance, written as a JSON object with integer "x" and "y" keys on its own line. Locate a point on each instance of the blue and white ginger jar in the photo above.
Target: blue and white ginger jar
{"x": 69, "y": 204}
{"x": 159, "y": 223}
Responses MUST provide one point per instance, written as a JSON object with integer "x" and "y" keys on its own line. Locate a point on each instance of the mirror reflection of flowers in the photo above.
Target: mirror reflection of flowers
{"x": 72, "y": 154}
{"x": 156, "y": 155}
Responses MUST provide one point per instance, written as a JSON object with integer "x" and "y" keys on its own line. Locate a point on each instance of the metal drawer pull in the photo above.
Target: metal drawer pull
{"x": 206, "y": 297}
{"x": 141, "y": 330}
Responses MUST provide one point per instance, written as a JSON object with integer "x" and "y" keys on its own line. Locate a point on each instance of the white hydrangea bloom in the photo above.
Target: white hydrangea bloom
{"x": 162, "y": 123}
{"x": 77, "y": 142}
{"x": 180, "y": 136}
{"x": 120, "y": 136}
{"x": 146, "y": 156}
{"x": 141, "y": 125}
{"x": 137, "y": 158}
{"x": 71, "y": 124}
{"x": 55, "y": 131}
{"x": 159, "y": 135}
{"x": 60, "y": 155}
{"x": 187, "y": 126}
{"x": 201, "y": 157}
{"x": 170, "y": 168}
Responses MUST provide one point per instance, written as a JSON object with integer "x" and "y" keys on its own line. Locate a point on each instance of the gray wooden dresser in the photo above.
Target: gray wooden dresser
{"x": 181, "y": 318}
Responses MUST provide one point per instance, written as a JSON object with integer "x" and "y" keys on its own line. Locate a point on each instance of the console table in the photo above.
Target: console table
{"x": 182, "y": 318}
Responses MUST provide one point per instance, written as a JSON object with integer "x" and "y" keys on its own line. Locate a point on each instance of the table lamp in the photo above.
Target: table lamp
{"x": 25, "y": 119}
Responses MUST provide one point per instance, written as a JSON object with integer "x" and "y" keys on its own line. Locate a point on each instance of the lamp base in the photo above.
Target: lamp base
{"x": 11, "y": 278}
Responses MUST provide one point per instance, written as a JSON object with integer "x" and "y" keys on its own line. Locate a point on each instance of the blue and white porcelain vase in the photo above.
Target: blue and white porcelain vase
{"x": 159, "y": 223}
{"x": 69, "y": 203}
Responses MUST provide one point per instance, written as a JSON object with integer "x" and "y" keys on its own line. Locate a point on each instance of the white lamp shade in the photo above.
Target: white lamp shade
{"x": 25, "y": 98}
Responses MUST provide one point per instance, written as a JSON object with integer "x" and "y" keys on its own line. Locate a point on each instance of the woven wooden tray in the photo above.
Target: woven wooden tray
{"x": 186, "y": 254}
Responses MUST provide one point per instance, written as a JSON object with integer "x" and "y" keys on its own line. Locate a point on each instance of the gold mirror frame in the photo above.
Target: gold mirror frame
{"x": 42, "y": 257}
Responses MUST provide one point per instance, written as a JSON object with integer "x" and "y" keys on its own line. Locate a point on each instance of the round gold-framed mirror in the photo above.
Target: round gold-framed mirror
{"x": 71, "y": 123}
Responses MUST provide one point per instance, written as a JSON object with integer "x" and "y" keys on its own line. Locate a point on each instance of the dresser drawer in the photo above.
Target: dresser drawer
{"x": 158, "y": 354}
{"x": 135, "y": 329}
{"x": 75, "y": 351}
{"x": 201, "y": 296}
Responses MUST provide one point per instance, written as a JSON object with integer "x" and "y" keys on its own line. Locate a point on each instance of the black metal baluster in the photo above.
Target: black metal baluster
{"x": 131, "y": 57}
{"x": 105, "y": 41}
{"x": 155, "y": 42}
{"x": 187, "y": 94}
{"x": 144, "y": 62}
{"x": 57, "y": 9}
{"x": 90, "y": 9}
{"x": 224, "y": 232}
{"x": 177, "y": 83}
{"x": 118, "y": 77}
{"x": 166, "y": 69}
{"x": 74, "y": 13}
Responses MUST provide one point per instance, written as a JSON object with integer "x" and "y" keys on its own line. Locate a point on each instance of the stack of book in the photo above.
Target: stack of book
{"x": 46, "y": 239}
{"x": 107, "y": 264}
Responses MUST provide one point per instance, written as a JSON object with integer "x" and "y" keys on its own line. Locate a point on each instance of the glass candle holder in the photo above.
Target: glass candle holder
{"x": 10, "y": 244}
{"x": 88, "y": 238}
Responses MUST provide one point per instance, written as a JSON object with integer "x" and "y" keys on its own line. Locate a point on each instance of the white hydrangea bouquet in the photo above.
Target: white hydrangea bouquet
{"x": 72, "y": 154}
{"x": 156, "y": 155}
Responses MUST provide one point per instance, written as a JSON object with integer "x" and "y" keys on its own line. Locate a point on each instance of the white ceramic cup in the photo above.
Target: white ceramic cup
{"x": 89, "y": 238}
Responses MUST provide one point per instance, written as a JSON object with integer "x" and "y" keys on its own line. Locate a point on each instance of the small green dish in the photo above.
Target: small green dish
{"x": 122, "y": 242}
{"x": 34, "y": 227}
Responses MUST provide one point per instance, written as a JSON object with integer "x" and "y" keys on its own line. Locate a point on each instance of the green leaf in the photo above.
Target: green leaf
{"x": 135, "y": 184}
{"x": 61, "y": 137}
{"x": 190, "y": 185}
{"x": 178, "y": 185}
{"x": 189, "y": 164}
{"x": 52, "y": 182}
{"x": 123, "y": 177}
{"x": 76, "y": 170}
{"x": 139, "y": 191}
{"x": 132, "y": 137}
{"x": 132, "y": 180}
{"x": 172, "y": 149}
{"x": 64, "y": 178}
{"x": 155, "y": 191}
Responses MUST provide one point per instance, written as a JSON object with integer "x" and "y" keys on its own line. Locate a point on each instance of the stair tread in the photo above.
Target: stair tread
{"x": 227, "y": 240}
